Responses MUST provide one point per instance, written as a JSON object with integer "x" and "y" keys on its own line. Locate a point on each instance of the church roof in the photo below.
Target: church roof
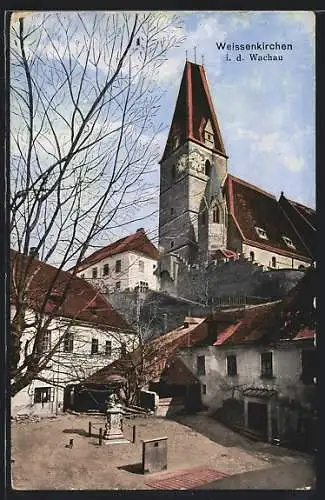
{"x": 253, "y": 210}
{"x": 304, "y": 220}
{"x": 194, "y": 111}
{"x": 136, "y": 242}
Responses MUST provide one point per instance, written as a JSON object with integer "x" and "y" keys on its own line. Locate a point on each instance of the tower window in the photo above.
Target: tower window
{"x": 216, "y": 215}
{"x": 252, "y": 256}
{"x": 173, "y": 172}
{"x": 207, "y": 168}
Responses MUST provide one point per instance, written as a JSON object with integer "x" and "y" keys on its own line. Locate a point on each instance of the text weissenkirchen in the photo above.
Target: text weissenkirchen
{"x": 253, "y": 46}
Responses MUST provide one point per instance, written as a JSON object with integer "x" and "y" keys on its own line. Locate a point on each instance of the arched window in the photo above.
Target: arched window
{"x": 216, "y": 215}
{"x": 273, "y": 261}
{"x": 252, "y": 256}
{"x": 207, "y": 168}
{"x": 173, "y": 172}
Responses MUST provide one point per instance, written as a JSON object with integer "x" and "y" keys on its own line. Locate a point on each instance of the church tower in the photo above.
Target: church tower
{"x": 192, "y": 214}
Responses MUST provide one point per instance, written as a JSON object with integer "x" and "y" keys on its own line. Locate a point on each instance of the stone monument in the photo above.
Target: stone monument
{"x": 113, "y": 432}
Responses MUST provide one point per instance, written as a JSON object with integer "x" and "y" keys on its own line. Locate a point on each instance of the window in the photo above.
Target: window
{"x": 273, "y": 261}
{"x": 118, "y": 285}
{"x": 252, "y": 256}
{"x": 123, "y": 350}
{"x": 68, "y": 342}
{"x": 94, "y": 346}
{"x": 207, "y": 170}
{"x": 173, "y": 172}
{"x": 44, "y": 343}
{"x": 261, "y": 233}
{"x": 82, "y": 275}
{"x": 105, "y": 270}
{"x": 143, "y": 286}
{"x": 208, "y": 137}
{"x": 216, "y": 215}
{"x": 118, "y": 266}
{"x": 171, "y": 244}
{"x": 94, "y": 272}
{"x": 141, "y": 266}
{"x": 200, "y": 365}
{"x": 266, "y": 365}
{"x": 108, "y": 348}
{"x": 231, "y": 365}
{"x": 308, "y": 365}
{"x": 204, "y": 389}
{"x": 171, "y": 211}
{"x": 288, "y": 242}
{"x": 43, "y": 394}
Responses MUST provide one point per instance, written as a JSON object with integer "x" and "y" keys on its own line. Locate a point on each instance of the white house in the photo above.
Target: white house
{"x": 126, "y": 264}
{"x": 83, "y": 335}
{"x": 265, "y": 358}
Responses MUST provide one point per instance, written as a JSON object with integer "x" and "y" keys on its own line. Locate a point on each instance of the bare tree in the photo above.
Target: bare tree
{"x": 83, "y": 106}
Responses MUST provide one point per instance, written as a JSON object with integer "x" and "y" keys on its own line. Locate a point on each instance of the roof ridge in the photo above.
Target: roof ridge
{"x": 252, "y": 186}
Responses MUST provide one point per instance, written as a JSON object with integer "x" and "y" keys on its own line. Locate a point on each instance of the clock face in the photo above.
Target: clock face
{"x": 197, "y": 161}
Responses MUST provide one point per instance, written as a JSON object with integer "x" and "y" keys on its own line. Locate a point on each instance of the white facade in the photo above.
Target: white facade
{"x": 44, "y": 397}
{"x": 286, "y": 379}
{"x": 272, "y": 259}
{"x": 122, "y": 271}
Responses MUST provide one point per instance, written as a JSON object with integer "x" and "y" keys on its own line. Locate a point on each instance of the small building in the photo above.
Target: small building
{"x": 83, "y": 334}
{"x": 257, "y": 367}
{"x": 126, "y": 264}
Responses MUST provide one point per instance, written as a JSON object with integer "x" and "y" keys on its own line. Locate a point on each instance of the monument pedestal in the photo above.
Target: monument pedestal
{"x": 113, "y": 433}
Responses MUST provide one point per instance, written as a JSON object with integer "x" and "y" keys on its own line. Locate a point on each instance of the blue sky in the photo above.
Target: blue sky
{"x": 265, "y": 109}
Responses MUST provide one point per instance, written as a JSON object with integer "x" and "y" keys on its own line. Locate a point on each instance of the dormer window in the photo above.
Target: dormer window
{"x": 288, "y": 242}
{"x": 261, "y": 233}
{"x": 208, "y": 138}
{"x": 208, "y": 134}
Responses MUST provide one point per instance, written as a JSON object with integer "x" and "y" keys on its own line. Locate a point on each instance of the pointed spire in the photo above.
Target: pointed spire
{"x": 194, "y": 111}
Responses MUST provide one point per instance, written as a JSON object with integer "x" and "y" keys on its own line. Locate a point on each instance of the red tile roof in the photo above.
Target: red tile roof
{"x": 154, "y": 354}
{"x": 290, "y": 318}
{"x": 80, "y": 301}
{"x": 193, "y": 109}
{"x": 252, "y": 207}
{"x": 136, "y": 242}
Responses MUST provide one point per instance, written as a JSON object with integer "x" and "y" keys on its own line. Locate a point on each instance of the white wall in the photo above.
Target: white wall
{"x": 129, "y": 276}
{"x": 264, "y": 257}
{"x": 286, "y": 370}
{"x": 65, "y": 368}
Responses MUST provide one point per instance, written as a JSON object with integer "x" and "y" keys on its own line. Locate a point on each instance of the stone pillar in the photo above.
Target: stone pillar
{"x": 246, "y": 412}
{"x": 113, "y": 432}
{"x": 269, "y": 422}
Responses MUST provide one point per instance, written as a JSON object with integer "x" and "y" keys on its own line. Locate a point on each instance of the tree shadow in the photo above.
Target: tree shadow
{"x": 133, "y": 468}
{"x": 81, "y": 432}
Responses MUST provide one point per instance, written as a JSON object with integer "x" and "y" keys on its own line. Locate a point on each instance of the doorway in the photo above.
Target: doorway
{"x": 257, "y": 418}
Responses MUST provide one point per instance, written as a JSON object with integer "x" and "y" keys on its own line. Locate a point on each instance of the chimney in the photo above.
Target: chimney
{"x": 33, "y": 252}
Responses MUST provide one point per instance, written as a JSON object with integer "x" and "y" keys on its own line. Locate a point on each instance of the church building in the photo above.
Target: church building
{"x": 207, "y": 214}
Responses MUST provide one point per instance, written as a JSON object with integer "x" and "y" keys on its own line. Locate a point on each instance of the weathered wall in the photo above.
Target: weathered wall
{"x": 264, "y": 257}
{"x": 287, "y": 370}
